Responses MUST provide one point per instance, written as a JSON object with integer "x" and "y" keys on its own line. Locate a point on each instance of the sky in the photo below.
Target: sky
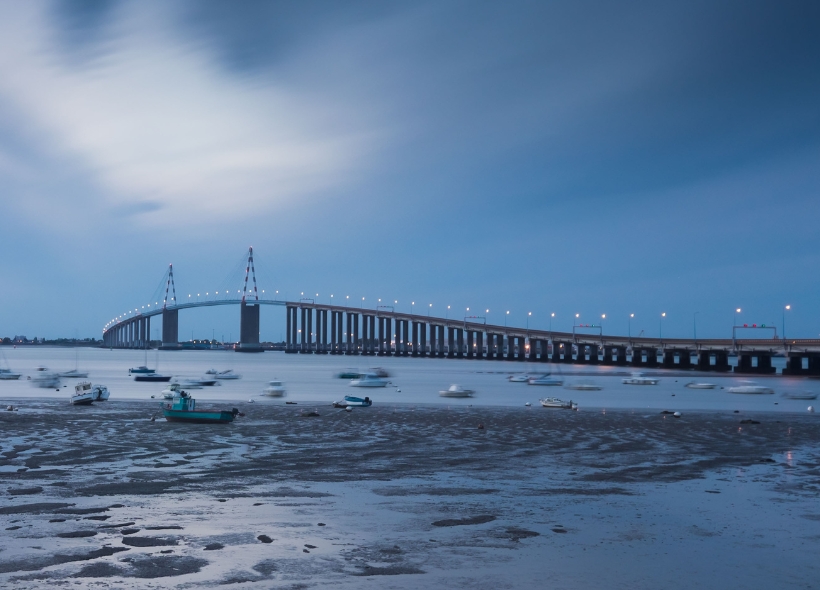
{"x": 582, "y": 157}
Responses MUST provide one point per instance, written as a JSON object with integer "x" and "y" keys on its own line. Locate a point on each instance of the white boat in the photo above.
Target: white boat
{"x": 456, "y": 391}
{"x": 274, "y": 389}
{"x": 172, "y": 390}
{"x": 83, "y": 394}
{"x": 369, "y": 380}
{"x": 804, "y": 395}
{"x": 640, "y": 379}
{"x": 694, "y": 385}
{"x": 518, "y": 378}
{"x": 211, "y": 372}
{"x": 750, "y": 387}
{"x": 229, "y": 374}
{"x": 45, "y": 379}
{"x": 73, "y": 374}
{"x": 554, "y": 402}
{"x": 545, "y": 380}
{"x": 191, "y": 384}
{"x": 8, "y": 375}
{"x": 584, "y": 386}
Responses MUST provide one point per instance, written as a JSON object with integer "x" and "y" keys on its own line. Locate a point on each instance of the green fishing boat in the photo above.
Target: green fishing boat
{"x": 183, "y": 409}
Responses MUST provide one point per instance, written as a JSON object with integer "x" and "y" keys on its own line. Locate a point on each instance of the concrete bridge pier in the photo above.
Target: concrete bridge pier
{"x": 609, "y": 355}
{"x": 249, "y": 328}
{"x": 794, "y": 364}
{"x": 511, "y": 342}
{"x": 441, "y": 341}
{"x": 746, "y": 364}
{"x": 479, "y": 345}
{"x": 170, "y": 329}
{"x": 451, "y": 342}
{"x": 580, "y": 354}
{"x": 522, "y": 348}
{"x": 470, "y": 344}
{"x": 594, "y": 351}
{"x": 460, "y": 344}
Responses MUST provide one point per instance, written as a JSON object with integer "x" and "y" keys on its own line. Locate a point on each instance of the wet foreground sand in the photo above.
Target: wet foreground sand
{"x": 408, "y": 497}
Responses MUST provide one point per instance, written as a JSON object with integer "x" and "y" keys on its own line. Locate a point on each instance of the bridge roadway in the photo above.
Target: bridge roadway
{"x": 331, "y": 329}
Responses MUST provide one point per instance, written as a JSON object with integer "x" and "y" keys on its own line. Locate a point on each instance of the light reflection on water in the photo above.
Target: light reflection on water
{"x": 310, "y": 378}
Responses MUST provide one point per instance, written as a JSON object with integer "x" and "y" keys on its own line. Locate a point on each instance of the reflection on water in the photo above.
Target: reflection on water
{"x": 311, "y": 378}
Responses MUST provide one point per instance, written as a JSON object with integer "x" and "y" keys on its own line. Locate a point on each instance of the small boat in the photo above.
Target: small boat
{"x": 358, "y": 402}
{"x": 274, "y": 389}
{"x": 141, "y": 370}
{"x": 204, "y": 382}
{"x": 229, "y": 374}
{"x": 545, "y": 380}
{"x": 74, "y": 374}
{"x": 152, "y": 378}
{"x": 518, "y": 378}
{"x": 183, "y": 409}
{"x": 369, "y": 380}
{"x": 211, "y": 372}
{"x": 554, "y": 402}
{"x": 584, "y": 386}
{"x": 379, "y": 372}
{"x": 8, "y": 375}
{"x": 45, "y": 379}
{"x": 83, "y": 394}
{"x": 349, "y": 374}
{"x": 456, "y": 391}
{"x": 750, "y": 387}
{"x": 171, "y": 390}
{"x": 190, "y": 384}
{"x": 640, "y": 379}
{"x": 804, "y": 395}
{"x": 694, "y": 385}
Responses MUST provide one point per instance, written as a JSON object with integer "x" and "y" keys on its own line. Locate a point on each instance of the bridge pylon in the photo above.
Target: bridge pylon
{"x": 249, "y": 312}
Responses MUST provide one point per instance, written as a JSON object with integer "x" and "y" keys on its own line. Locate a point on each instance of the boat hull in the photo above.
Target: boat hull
{"x": 146, "y": 378}
{"x": 85, "y": 400}
{"x": 198, "y": 416}
{"x": 456, "y": 394}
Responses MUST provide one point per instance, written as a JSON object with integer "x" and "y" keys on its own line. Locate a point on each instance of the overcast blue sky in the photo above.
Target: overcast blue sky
{"x": 570, "y": 157}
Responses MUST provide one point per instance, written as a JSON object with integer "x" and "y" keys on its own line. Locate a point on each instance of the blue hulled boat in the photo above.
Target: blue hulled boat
{"x": 358, "y": 402}
{"x": 183, "y": 409}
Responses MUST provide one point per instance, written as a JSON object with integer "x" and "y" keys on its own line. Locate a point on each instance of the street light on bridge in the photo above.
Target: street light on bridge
{"x": 785, "y": 309}
{"x": 631, "y": 315}
{"x": 660, "y": 326}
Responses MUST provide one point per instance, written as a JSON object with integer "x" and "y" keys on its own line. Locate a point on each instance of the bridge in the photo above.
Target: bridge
{"x": 314, "y": 328}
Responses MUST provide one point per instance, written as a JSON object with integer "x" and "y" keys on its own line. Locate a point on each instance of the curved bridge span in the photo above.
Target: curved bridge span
{"x": 329, "y": 329}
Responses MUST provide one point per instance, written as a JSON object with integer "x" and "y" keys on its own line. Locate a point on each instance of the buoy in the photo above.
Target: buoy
{"x": 250, "y": 401}
{"x": 527, "y": 404}
{"x": 676, "y": 415}
{"x": 152, "y": 397}
{"x": 811, "y": 409}
{"x": 349, "y": 409}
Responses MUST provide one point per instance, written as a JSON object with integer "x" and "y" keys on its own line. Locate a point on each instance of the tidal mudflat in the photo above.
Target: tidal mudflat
{"x": 405, "y": 496}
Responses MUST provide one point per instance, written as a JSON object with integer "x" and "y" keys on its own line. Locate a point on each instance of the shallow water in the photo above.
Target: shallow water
{"x": 311, "y": 379}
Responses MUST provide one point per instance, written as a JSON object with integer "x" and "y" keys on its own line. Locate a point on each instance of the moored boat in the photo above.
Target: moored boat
{"x": 83, "y": 394}
{"x": 554, "y": 402}
{"x": 152, "y": 378}
{"x": 456, "y": 391}
{"x": 100, "y": 392}
{"x": 275, "y": 388}
{"x": 229, "y": 374}
{"x": 349, "y": 374}
{"x": 45, "y": 379}
{"x": 369, "y": 380}
{"x": 518, "y": 378}
{"x": 183, "y": 409}
{"x": 640, "y": 379}
{"x": 141, "y": 370}
{"x": 359, "y": 402}
{"x": 802, "y": 395}
{"x": 694, "y": 385}
{"x": 750, "y": 387}
{"x": 73, "y": 374}
{"x": 584, "y": 386}
{"x": 8, "y": 375}
{"x": 545, "y": 380}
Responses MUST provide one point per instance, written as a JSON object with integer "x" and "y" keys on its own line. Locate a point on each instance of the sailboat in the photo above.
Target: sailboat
{"x": 143, "y": 373}
{"x": 75, "y": 373}
{"x": 6, "y": 374}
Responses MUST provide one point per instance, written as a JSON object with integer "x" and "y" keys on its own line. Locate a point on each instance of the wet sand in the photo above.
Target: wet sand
{"x": 102, "y": 497}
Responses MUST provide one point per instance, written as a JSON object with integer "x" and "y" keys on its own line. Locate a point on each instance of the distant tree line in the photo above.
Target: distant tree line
{"x": 24, "y": 341}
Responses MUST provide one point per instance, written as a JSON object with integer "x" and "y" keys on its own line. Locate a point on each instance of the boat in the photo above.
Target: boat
{"x": 456, "y": 391}
{"x": 750, "y": 387}
{"x": 141, "y": 370}
{"x": 274, "y": 389}
{"x": 170, "y": 391}
{"x": 204, "y": 382}
{"x": 152, "y": 378}
{"x": 45, "y": 379}
{"x": 83, "y": 395}
{"x": 100, "y": 392}
{"x": 211, "y": 372}
{"x": 545, "y": 380}
{"x": 640, "y": 379}
{"x": 369, "y": 380}
{"x": 379, "y": 372}
{"x": 694, "y": 385}
{"x": 518, "y": 378}
{"x": 584, "y": 386}
{"x": 183, "y": 409}
{"x": 358, "y": 401}
{"x": 229, "y": 374}
{"x": 8, "y": 375}
{"x": 349, "y": 374}
{"x": 73, "y": 374}
{"x": 340, "y": 405}
{"x": 554, "y": 402}
{"x": 804, "y": 395}
{"x": 190, "y": 384}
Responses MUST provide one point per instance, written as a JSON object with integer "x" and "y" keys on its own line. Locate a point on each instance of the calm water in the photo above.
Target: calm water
{"x": 310, "y": 379}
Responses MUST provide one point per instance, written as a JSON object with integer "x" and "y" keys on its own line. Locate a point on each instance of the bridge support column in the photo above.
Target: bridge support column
{"x": 721, "y": 361}
{"x": 637, "y": 357}
{"x": 333, "y": 315}
{"x": 324, "y": 332}
{"x": 470, "y": 344}
{"x": 349, "y": 347}
{"x": 249, "y": 328}
{"x": 310, "y": 330}
{"x": 479, "y": 345}
{"x": 593, "y": 354}
{"x": 581, "y": 354}
{"x": 170, "y": 329}
{"x": 668, "y": 359}
{"x": 685, "y": 359}
{"x": 451, "y": 342}
{"x": 609, "y": 353}
{"x": 652, "y": 357}
{"x": 745, "y": 364}
{"x": 422, "y": 339}
{"x": 511, "y": 347}
{"x": 459, "y": 343}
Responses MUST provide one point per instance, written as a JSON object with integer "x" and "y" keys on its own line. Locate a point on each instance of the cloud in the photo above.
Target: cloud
{"x": 153, "y": 119}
